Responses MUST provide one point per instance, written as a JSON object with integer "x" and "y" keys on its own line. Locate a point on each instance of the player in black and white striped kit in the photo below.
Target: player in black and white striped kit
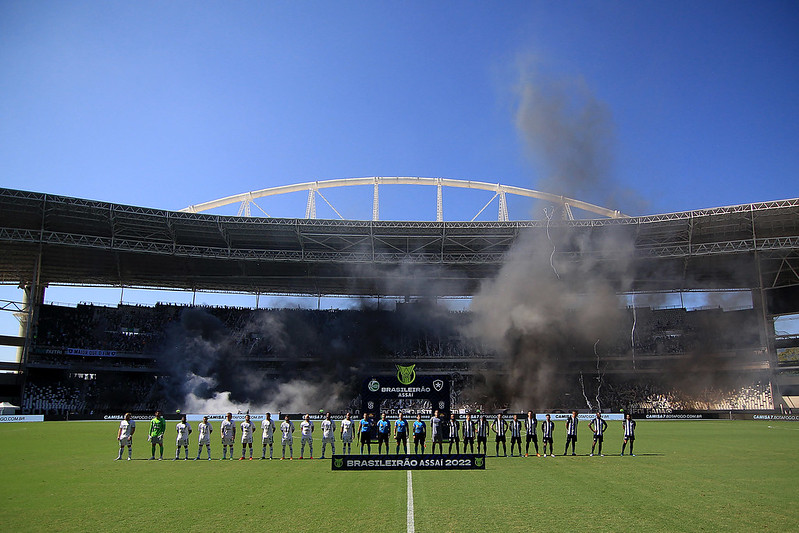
{"x": 516, "y": 434}
{"x": 598, "y": 426}
{"x": 547, "y": 430}
{"x": 468, "y": 433}
{"x": 629, "y": 433}
{"x": 481, "y": 430}
{"x": 500, "y": 427}
{"x": 454, "y": 429}
{"x": 571, "y": 432}
{"x": 529, "y": 426}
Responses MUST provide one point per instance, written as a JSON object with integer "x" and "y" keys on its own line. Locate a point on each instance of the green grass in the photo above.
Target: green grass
{"x": 688, "y": 476}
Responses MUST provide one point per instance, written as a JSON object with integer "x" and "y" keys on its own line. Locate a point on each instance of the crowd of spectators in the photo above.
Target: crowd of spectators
{"x": 88, "y": 394}
{"x": 137, "y": 334}
{"x": 750, "y": 397}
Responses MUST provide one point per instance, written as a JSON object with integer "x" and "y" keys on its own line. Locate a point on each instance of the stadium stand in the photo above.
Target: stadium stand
{"x": 82, "y": 356}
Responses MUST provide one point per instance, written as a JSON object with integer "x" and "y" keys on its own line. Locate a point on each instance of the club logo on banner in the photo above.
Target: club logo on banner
{"x": 406, "y": 374}
{"x": 409, "y": 462}
{"x": 374, "y": 385}
{"x": 438, "y": 385}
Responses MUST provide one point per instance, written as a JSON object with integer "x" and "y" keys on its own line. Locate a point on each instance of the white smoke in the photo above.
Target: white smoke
{"x": 295, "y": 396}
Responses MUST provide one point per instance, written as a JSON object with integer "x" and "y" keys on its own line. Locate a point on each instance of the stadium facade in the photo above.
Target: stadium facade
{"x": 48, "y": 240}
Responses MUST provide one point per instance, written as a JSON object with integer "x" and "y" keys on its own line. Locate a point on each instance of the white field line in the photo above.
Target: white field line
{"x": 411, "y": 526}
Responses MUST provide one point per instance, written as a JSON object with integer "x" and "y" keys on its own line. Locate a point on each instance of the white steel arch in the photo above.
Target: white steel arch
{"x": 314, "y": 188}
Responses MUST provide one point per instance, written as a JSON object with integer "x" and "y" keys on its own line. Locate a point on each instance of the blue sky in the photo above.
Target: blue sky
{"x": 170, "y": 104}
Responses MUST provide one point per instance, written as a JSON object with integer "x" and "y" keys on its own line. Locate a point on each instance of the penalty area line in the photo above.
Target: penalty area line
{"x": 411, "y": 526}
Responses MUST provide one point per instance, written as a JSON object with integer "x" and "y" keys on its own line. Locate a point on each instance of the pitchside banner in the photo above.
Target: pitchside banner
{"x": 409, "y": 462}
{"x": 21, "y": 418}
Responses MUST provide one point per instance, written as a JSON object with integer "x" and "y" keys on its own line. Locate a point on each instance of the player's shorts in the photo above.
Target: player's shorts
{"x": 516, "y": 439}
{"x": 455, "y": 439}
{"x": 382, "y": 437}
{"x": 347, "y": 437}
{"x": 532, "y": 437}
{"x": 125, "y": 441}
{"x": 331, "y": 439}
{"x": 571, "y": 438}
{"x": 182, "y": 442}
{"x": 482, "y": 439}
{"x": 468, "y": 440}
{"x": 306, "y": 438}
{"x": 438, "y": 437}
{"x": 228, "y": 441}
{"x": 631, "y": 437}
{"x": 157, "y": 439}
{"x": 286, "y": 441}
{"x": 365, "y": 438}
{"x": 402, "y": 436}
{"x": 418, "y": 438}
{"x": 598, "y": 438}
{"x": 500, "y": 438}
{"x": 547, "y": 440}
{"x": 205, "y": 441}
{"x": 267, "y": 440}
{"x": 246, "y": 440}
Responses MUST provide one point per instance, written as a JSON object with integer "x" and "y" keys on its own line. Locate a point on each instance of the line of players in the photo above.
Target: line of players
{"x": 471, "y": 430}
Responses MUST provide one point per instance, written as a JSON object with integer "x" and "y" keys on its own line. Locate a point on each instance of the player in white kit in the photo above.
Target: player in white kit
{"x": 183, "y": 430}
{"x": 268, "y": 430}
{"x": 247, "y": 431}
{"x": 228, "y": 431}
{"x": 204, "y": 429}
{"x": 346, "y": 434}
{"x": 306, "y": 435}
{"x": 287, "y": 428}
{"x": 328, "y": 435}
{"x": 125, "y": 436}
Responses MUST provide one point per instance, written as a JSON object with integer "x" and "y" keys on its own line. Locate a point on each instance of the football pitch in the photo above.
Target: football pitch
{"x": 686, "y": 476}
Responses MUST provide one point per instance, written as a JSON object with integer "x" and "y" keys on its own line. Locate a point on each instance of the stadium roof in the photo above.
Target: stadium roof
{"x": 67, "y": 240}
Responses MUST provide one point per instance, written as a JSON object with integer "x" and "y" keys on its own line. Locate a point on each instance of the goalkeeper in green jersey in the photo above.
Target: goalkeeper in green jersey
{"x": 157, "y": 430}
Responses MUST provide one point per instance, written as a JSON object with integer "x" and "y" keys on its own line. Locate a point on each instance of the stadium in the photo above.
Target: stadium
{"x": 613, "y": 338}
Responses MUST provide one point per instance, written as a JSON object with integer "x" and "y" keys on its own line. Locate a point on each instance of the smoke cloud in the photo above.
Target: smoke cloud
{"x": 543, "y": 312}
{"x": 289, "y": 360}
{"x": 210, "y": 364}
{"x": 547, "y": 316}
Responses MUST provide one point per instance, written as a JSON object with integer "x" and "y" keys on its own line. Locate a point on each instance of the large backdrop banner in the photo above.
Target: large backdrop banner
{"x": 405, "y": 391}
